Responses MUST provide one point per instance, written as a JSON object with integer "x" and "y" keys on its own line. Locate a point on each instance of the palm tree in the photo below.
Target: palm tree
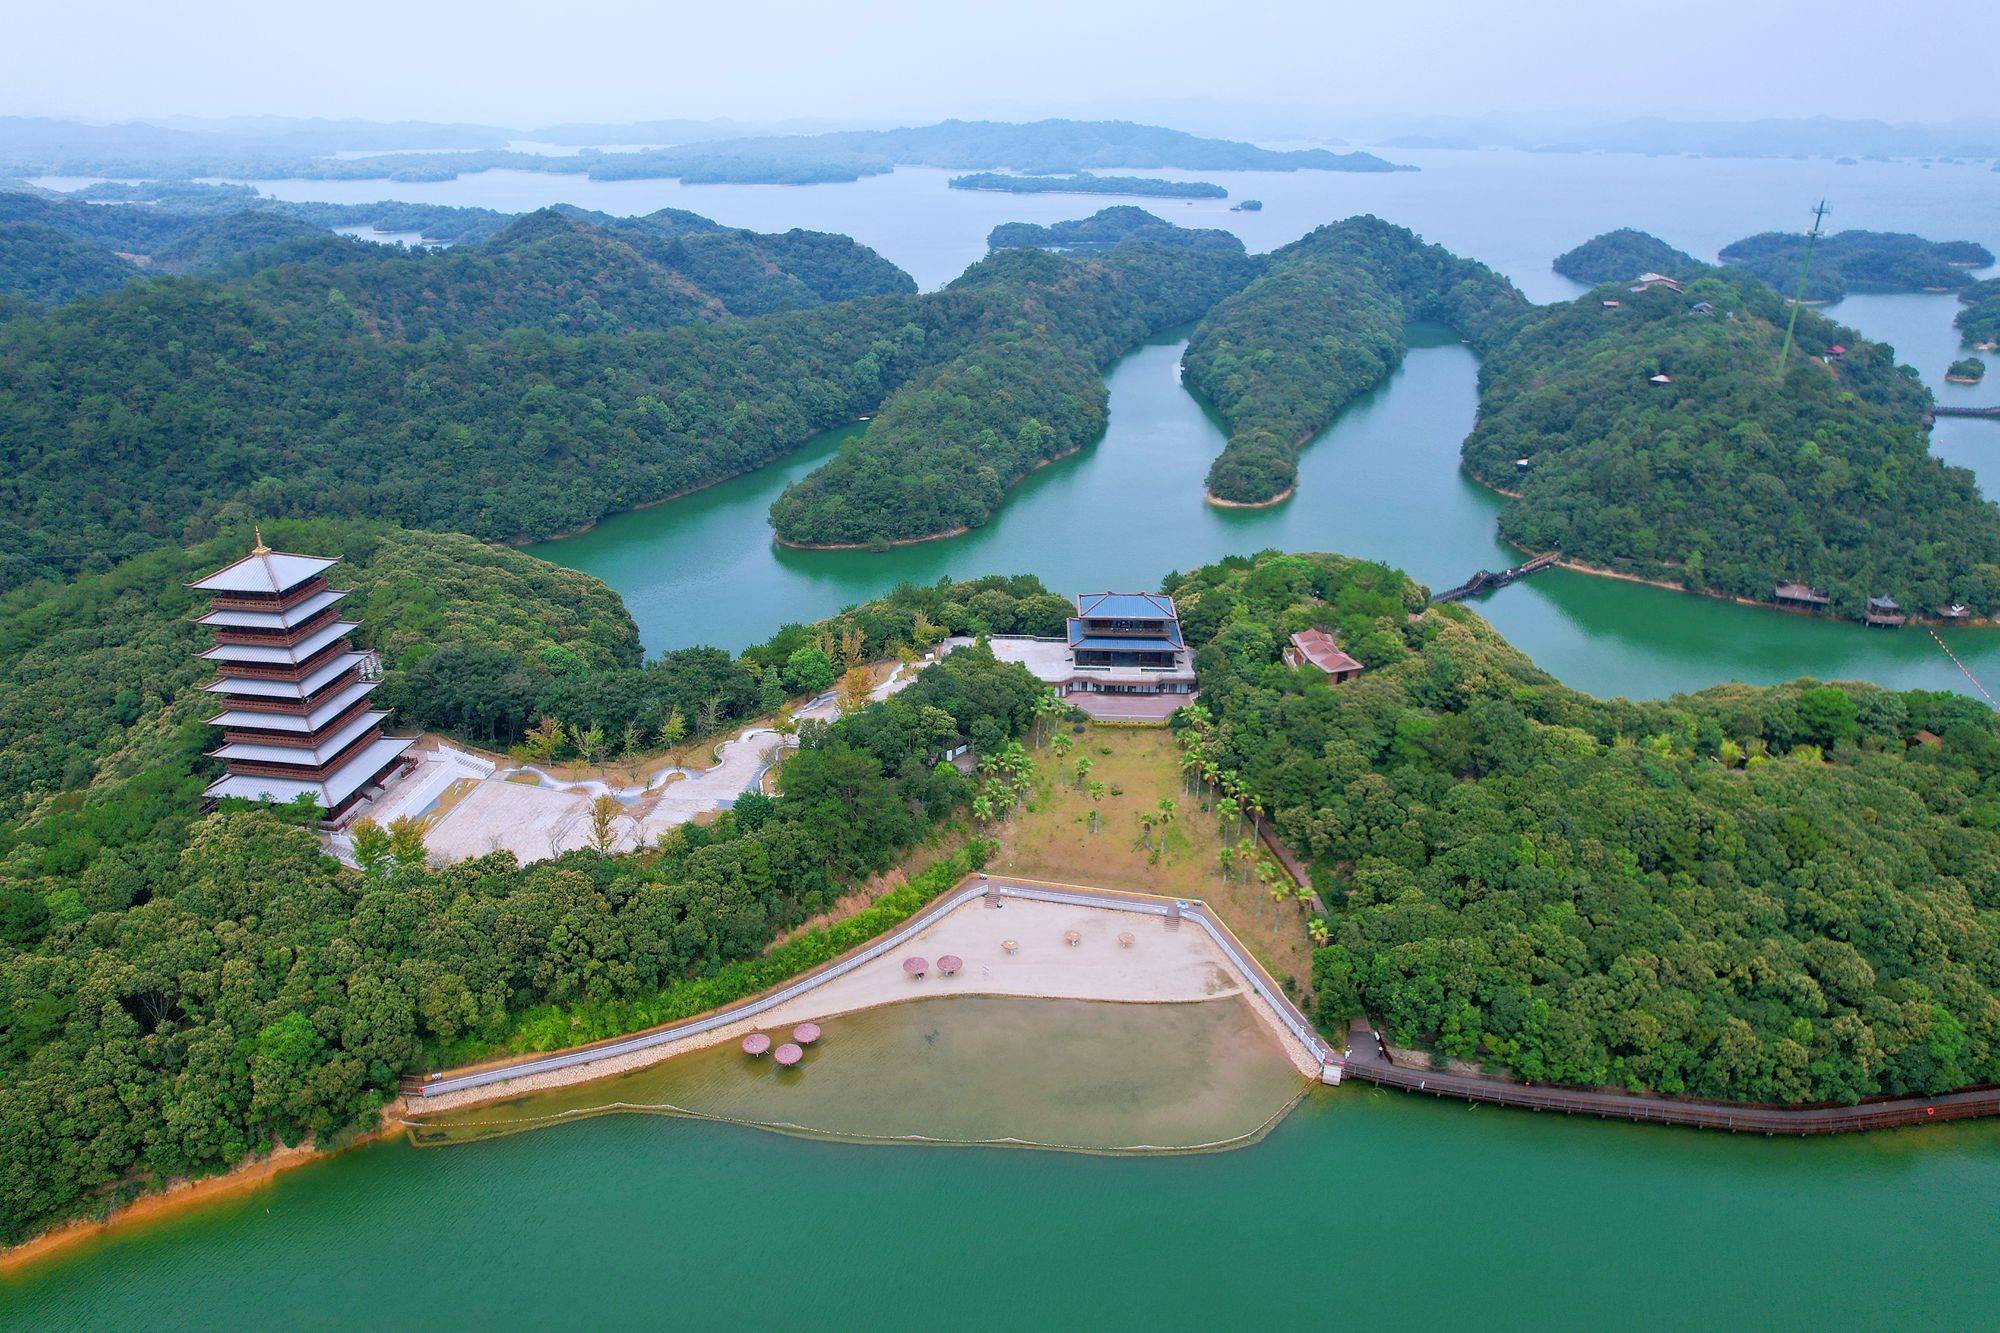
{"x": 1228, "y": 812}
{"x": 1060, "y": 744}
{"x": 1083, "y": 767}
{"x": 1316, "y": 928}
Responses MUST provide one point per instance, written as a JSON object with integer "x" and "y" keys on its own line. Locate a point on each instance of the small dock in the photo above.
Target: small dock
{"x": 1981, "y": 413}
{"x": 1486, "y": 580}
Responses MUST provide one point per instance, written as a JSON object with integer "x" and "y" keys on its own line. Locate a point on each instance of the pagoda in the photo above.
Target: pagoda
{"x": 296, "y": 720}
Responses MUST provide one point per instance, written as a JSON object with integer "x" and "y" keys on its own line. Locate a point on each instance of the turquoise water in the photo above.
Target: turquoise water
{"x": 1363, "y": 1206}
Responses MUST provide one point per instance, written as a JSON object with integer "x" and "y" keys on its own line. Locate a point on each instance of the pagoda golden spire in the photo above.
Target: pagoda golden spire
{"x": 259, "y": 548}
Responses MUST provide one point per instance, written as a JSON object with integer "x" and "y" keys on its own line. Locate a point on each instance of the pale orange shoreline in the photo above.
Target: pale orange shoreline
{"x": 175, "y": 1197}
{"x": 1277, "y": 499}
{"x": 1599, "y": 571}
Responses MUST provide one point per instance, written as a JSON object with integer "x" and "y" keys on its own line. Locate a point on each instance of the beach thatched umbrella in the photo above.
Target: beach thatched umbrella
{"x": 950, "y": 963}
{"x": 756, "y": 1044}
{"x": 1072, "y": 937}
{"x": 1011, "y": 946}
{"x": 1124, "y": 939}
{"x": 788, "y": 1055}
{"x": 805, "y": 1034}
{"x": 916, "y": 966}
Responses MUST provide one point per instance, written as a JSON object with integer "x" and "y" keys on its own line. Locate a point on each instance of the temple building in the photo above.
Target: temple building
{"x": 1122, "y": 657}
{"x": 295, "y": 719}
{"x": 1316, "y": 648}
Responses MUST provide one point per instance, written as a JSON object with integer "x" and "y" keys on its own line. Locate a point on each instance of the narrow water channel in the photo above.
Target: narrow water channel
{"x": 1383, "y": 482}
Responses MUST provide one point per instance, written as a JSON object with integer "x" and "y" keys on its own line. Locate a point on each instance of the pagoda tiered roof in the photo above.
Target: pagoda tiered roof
{"x": 265, "y": 571}
{"x": 295, "y": 720}
{"x": 278, "y": 654}
{"x": 296, "y": 614}
{"x": 317, "y": 680}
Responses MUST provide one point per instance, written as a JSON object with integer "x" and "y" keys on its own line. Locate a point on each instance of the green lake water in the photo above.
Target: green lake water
{"x": 1360, "y": 1207}
{"x": 961, "y": 1070}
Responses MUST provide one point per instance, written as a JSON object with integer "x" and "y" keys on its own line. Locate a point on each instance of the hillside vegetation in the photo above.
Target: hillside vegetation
{"x": 1322, "y": 324}
{"x": 1860, "y": 261}
{"x": 1622, "y": 255}
{"x": 945, "y": 449}
{"x": 1777, "y": 895}
{"x": 1731, "y": 477}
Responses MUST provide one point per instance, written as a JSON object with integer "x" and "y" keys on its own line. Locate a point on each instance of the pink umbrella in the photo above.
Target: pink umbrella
{"x": 915, "y": 966}
{"x": 789, "y": 1055}
{"x": 805, "y": 1034}
{"x": 950, "y": 963}
{"x": 756, "y": 1044}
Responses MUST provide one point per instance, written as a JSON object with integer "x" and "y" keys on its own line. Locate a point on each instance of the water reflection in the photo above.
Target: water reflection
{"x": 1081, "y": 1075}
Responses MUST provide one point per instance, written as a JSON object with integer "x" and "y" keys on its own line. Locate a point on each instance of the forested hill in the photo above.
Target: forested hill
{"x": 1775, "y": 895}
{"x": 183, "y": 989}
{"x": 945, "y": 449}
{"x": 1323, "y": 323}
{"x": 1860, "y": 261}
{"x": 561, "y": 269}
{"x": 1104, "y": 229}
{"x": 1979, "y": 322}
{"x": 1622, "y": 255}
{"x": 1728, "y": 476}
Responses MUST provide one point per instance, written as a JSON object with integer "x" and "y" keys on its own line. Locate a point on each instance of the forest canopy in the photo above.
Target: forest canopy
{"x": 1322, "y": 324}
{"x": 1786, "y": 894}
{"x": 946, "y": 448}
{"x": 1860, "y": 261}
{"x": 1622, "y": 255}
{"x": 1662, "y": 439}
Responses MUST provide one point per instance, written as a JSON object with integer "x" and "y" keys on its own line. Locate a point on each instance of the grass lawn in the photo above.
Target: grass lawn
{"x": 1050, "y": 837}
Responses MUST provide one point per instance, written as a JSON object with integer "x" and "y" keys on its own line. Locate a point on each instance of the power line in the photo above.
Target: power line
{"x": 1812, "y": 239}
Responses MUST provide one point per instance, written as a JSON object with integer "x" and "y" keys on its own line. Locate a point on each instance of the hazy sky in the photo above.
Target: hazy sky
{"x": 520, "y": 64}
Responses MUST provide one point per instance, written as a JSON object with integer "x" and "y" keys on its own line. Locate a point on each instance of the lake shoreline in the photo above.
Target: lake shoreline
{"x": 1621, "y": 576}
{"x": 1274, "y": 501}
{"x": 181, "y": 1194}
{"x": 696, "y": 489}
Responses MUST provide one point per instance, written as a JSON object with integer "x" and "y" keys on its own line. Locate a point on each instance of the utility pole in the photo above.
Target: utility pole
{"x": 1812, "y": 239}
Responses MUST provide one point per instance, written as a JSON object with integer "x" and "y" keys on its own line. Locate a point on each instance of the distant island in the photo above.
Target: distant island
{"x": 1967, "y": 370}
{"x": 1862, "y": 261}
{"x": 1249, "y": 206}
{"x": 1620, "y": 255}
{"x": 1106, "y": 228}
{"x": 61, "y": 148}
{"x": 1084, "y": 182}
{"x": 1979, "y": 322}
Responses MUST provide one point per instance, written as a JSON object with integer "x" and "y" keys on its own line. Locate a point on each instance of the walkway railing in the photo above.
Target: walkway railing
{"x": 971, "y": 890}
{"x": 1367, "y": 1065}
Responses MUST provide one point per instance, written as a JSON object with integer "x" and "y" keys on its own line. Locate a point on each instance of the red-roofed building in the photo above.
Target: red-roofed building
{"x": 1315, "y": 647}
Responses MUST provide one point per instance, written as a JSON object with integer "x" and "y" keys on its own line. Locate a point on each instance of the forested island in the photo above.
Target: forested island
{"x": 848, "y": 155}
{"x": 1106, "y": 228}
{"x": 1622, "y": 255}
{"x": 1781, "y": 895}
{"x": 1862, "y": 261}
{"x": 944, "y": 450}
{"x": 1661, "y": 438}
{"x": 1966, "y": 370}
{"x": 1084, "y": 182}
{"x": 1323, "y": 323}
{"x": 1979, "y": 322}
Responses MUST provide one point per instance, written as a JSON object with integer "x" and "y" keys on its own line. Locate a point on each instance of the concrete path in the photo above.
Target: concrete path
{"x": 535, "y": 815}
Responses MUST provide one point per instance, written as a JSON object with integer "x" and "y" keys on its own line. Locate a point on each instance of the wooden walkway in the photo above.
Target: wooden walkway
{"x": 1486, "y": 580}
{"x": 1984, "y": 413}
{"x": 1368, "y": 1061}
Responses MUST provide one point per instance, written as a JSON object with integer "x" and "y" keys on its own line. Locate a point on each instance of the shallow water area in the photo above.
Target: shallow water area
{"x": 1082, "y": 1075}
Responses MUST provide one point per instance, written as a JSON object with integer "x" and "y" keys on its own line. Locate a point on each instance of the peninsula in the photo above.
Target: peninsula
{"x": 1084, "y": 182}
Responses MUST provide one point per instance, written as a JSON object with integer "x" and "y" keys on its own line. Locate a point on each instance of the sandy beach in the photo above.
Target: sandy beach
{"x": 1164, "y": 964}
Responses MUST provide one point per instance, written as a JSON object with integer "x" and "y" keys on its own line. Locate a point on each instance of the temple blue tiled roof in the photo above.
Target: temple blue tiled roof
{"x": 1167, "y": 641}
{"x": 1125, "y": 606}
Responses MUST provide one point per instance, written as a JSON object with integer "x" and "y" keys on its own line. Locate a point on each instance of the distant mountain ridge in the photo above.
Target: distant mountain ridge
{"x": 42, "y": 148}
